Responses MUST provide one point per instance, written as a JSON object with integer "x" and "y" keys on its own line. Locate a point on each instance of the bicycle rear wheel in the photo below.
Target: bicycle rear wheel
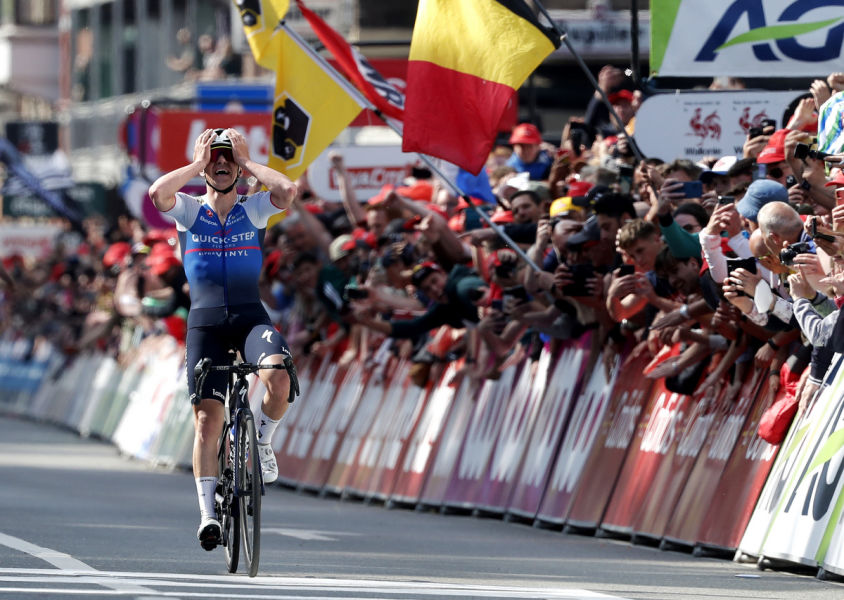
{"x": 249, "y": 485}
{"x": 228, "y": 506}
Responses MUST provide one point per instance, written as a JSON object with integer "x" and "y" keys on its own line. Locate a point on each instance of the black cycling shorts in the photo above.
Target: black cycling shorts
{"x": 249, "y": 331}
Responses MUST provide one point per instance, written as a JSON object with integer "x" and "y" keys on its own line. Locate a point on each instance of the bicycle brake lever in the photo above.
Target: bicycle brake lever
{"x": 294, "y": 380}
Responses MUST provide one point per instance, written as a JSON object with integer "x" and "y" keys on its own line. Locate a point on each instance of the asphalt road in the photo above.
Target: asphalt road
{"x": 79, "y": 521}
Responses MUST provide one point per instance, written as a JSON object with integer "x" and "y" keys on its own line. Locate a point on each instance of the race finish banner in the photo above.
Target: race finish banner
{"x": 746, "y": 38}
{"x": 705, "y": 123}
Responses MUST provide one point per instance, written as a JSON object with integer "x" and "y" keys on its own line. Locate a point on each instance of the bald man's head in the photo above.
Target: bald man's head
{"x": 780, "y": 219}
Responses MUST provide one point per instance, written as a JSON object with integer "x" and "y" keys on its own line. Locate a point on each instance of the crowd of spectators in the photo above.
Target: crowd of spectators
{"x": 713, "y": 268}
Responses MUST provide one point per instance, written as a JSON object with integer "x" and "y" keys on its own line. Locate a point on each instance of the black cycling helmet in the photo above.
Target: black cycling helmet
{"x": 221, "y": 140}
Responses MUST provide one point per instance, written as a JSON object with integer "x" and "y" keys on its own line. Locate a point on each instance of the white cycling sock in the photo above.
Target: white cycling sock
{"x": 266, "y": 427}
{"x": 205, "y": 488}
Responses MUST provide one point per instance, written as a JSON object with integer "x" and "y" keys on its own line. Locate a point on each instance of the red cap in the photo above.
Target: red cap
{"x": 116, "y": 254}
{"x": 462, "y": 204}
{"x": 501, "y": 217}
{"x": 774, "y": 152}
{"x": 579, "y": 188}
{"x": 361, "y": 234}
{"x": 525, "y": 133}
{"x": 159, "y": 265}
{"x": 421, "y": 190}
{"x": 312, "y": 208}
{"x": 380, "y": 196}
{"x": 272, "y": 262}
{"x": 155, "y": 236}
{"x": 620, "y": 96}
{"x": 837, "y": 179}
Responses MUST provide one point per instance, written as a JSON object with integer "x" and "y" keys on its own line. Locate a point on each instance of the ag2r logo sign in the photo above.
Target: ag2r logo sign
{"x": 794, "y": 21}
{"x": 746, "y": 37}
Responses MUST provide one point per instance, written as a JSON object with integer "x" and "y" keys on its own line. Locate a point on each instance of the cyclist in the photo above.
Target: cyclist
{"x": 221, "y": 234}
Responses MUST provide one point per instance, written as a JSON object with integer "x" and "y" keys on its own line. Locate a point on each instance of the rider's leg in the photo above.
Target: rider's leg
{"x": 266, "y": 346}
{"x": 208, "y": 422}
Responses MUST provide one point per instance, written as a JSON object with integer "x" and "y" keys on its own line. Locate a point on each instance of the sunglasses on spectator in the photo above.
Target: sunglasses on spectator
{"x": 689, "y": 227}
{"x": 775, "y": 172}
{"x": 225, "y": 152}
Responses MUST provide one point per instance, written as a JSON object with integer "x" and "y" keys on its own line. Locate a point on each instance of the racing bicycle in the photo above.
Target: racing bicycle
{"x": 240, "y": 485}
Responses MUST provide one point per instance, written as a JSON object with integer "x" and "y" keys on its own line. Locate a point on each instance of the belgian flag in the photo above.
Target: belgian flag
{"x": 467, "y": 59}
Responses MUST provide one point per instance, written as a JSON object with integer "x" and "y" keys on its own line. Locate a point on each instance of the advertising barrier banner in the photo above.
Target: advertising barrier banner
{"x": 409, "y": 403}
{"x": 746, "y": 38}
{"x": 780, "y": 493}
{"x": 698, "y": 492}
{"x": 563, "y": 383}
{"x": 462, "y": 400}
{"x": 741, "y": 482}
{"x": 423, "y": 445}
{"x": 490, "y": 407}
{"x": 627, "y": 403}
{"x": 578, "y": 439}
{"x": 515, "y": 433}
{"x": 330, "y": 435}
{"x": 674, "y": 467}
{"x": 297, "y": 432}
{"x": 657, "y": 435}
{"x": 800, "y": 530}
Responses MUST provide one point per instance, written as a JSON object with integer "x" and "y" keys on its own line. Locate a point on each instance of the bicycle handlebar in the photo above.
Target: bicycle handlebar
{"x": 204, "y": 366}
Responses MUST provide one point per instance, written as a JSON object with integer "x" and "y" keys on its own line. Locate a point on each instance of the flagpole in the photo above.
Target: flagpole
{"x": 363, "y": 100}
{"x": 564, "y": 37}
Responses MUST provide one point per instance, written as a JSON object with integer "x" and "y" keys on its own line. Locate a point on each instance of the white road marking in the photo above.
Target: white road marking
{"x": 65, "y": 562}
{"x": 312, "y": 535}
{"x": 264, "y": 587}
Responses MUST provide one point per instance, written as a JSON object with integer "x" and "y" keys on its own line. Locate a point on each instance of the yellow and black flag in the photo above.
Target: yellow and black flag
{"x": 467, "y": 59}
{"x": 312, "y": 105}
{"x": 260, "y": 18}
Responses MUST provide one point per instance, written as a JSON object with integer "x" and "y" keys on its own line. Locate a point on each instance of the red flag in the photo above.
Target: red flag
{"x": 356, "y": 68}
{"x": 467, "y": 59}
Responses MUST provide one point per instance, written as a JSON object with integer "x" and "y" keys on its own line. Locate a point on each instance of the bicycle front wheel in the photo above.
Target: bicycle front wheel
{"x": 228, "y": 506}
{"x": 249, "y": 484}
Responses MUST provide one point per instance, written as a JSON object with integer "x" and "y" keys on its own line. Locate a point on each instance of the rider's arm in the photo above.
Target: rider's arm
{"x": 163, "y": 191}
{"x": 282, "y": 190}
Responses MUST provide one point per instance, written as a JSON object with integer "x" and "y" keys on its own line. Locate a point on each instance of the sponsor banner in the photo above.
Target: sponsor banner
{"x": 791, "y": 460}
{"x": 440, "y": 472}
{"x": 422, "y": 446}
{"x": 705, "y": 123}
{"x": 732, "y": 502}
{"x": 366, "y": 472}
{"x": 600, "y": 472}
{"x": 657, "y": 435}
{"x": 578, "y": 440}
{"x": 369, "y": 167}
{"x": 554, "y": 409}
{"x": 674, "y": 468}
{"x": 490, "y": 407}
{"x": 600, "y": 33}
{"x": 746, "y": 38}
{"x": 29, "y": 240}
{"x": 800, "y": 530}
{"x": 346, "y": 463}
{"x": 409, "y": 401}
{"x": 515, "y": 434}
{"x": 326, "y": 446}
{"x": 698, "y": 492}
{"x": 297, "y": 433}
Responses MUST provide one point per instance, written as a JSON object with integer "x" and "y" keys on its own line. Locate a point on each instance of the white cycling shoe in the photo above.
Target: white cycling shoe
{"x": 269, "y": 466}
{"x": 210, "y": 534}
